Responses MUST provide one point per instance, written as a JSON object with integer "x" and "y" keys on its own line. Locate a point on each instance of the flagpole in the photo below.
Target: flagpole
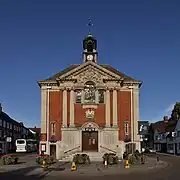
{"x": 90, "y": 25}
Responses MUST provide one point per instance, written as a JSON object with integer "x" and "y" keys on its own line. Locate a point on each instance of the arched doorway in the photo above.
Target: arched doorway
{"x": 90, "y": 137}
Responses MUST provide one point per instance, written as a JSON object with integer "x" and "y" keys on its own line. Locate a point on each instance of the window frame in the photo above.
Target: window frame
{"x": 53, "y": 128}
{"x": 126, "y": 128}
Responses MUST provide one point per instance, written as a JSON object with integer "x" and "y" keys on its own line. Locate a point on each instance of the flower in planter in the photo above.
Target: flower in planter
{"x": 45, "y": 157}
{"x": 81, "y": 159}
{"x": 9, "y": 159}
{"x": 111, "y": 158}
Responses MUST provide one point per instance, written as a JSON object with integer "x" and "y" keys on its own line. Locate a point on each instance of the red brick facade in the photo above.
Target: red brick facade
{"x": 80, "y": 117}
{"x": 56, "y": 108}
{"x": 55, "y": 112}
{"x": 124, "y": 112}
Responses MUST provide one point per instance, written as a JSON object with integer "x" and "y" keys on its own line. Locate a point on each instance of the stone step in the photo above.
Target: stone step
{"x": 94, "y": 157}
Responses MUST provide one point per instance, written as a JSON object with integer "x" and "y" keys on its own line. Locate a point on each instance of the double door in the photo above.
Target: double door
{"x": 90, "y": 141}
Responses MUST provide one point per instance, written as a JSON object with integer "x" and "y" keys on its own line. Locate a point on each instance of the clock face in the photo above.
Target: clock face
{"x": 90, "y": 57}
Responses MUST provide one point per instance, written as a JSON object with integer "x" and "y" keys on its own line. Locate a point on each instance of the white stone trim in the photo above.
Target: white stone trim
{"x": 136, "y": 113}
{"x": 64, "y": 108}
{"x": 89, "y": 124}
{"x": 82, "y": 96}
{"x": 86, "y": 64}
{"x": 43, "y": 110}
{"x": 96, "y": 96}
{"x": 132, "y": 115}
{"x": 72, "y": 97}
{"x": 48, "y": 116}
{"x": 90, "y": 106}
{"x": 115, "y": 108}
{"x": 107, "y": 108}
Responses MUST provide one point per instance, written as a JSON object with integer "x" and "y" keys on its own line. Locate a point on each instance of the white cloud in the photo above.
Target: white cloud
{"x": 169, "y": 109}
{"x": 165, "y": 112}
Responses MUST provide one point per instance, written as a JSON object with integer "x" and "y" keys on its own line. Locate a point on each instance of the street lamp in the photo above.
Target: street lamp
{"x": 6, "y": 144}
{"x": 132, "y": 120}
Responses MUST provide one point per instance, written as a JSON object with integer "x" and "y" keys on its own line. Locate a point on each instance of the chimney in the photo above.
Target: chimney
{"x": 21, "y": 123}
{"x": 0, "y": 108}
{"x": 165, "y": 118}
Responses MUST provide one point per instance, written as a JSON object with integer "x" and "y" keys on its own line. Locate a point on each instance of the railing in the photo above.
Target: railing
{"x": 65, "y": 152}
{"x": 108, "y": 149}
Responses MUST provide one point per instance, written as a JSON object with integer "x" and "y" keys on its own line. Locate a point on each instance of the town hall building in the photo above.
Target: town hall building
{"x": 89, "y": 107}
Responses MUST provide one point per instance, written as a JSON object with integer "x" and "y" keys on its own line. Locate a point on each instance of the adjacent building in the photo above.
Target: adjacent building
{"x": 10, "y": 130}
{"x": 176, "y": 137}
{"x": 163, "y": 136}
{"x": 35, "y": 133}
{"x": 143, "y": 127}
{"x": 89, "y": 107}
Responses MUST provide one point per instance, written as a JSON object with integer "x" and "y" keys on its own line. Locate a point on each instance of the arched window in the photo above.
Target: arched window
{"x": 89, "y": 92}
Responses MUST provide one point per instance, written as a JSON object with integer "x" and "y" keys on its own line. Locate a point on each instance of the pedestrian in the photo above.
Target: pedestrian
{"x": 157, "y": 158}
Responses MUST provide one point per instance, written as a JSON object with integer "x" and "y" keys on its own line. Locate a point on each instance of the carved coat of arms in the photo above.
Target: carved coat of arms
{"x": 89, "y": 114}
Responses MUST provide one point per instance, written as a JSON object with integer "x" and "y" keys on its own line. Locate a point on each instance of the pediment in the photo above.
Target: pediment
{"x": 90, "y": 72}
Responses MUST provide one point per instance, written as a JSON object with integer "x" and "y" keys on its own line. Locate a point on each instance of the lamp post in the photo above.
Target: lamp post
{"x": 132, "y": 120}
{"x": 6, "y": 144}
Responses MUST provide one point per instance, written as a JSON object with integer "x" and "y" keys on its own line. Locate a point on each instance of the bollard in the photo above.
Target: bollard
{"x": 44, "y": 164}
{"x": 105, "y": 163}
{"x": 73, "y": 166}
{"x": 126, "y": 164}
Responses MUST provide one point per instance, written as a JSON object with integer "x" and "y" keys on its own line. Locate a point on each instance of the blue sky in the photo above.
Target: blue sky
{"x": 40, "y": 38}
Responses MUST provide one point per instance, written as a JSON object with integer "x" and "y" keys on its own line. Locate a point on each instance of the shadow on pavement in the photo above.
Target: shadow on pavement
{"x": 22, "y": 174}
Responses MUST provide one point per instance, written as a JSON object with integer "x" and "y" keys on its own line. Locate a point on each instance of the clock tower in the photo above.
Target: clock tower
{"x": 89, "y": 49}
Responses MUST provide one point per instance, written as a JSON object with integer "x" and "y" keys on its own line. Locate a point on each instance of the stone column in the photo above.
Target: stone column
{"x": 107, "y": 108}
{"x": 136, "y": 113}
{"x": 82, "y": 96}
{"x": 48, "y": 116}
{"x": 115, "y": 108}
{"x": 72, "y": 108}
{"x": 64, "y": 108}
{"x": 96, "y": 97}
{"x": 43, "y": 111}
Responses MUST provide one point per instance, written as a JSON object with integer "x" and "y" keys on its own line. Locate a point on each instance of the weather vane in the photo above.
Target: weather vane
{"x": 90, "y": 24}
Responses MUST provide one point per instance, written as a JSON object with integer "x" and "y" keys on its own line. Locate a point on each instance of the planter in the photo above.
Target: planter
{"x": 81, "y": 159}
{"x": 9, "y": 159}
{"x": 111, "y": 158}
{"x": 48, "y": 159}
{"x": 137, "y": 158}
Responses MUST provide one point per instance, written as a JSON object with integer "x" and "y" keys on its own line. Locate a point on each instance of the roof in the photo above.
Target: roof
{"x": 159, "y": 126}
{"x": 36, "y": 130}
{"x": 162, "y": 126}
{"x": 8, "y": 119}
{"x": 108, "y": 67}
{"x": 171, "y": 126}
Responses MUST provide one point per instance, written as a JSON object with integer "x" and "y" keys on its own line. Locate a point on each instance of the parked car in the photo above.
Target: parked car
{"x": 148, "y": 150}
{"x": 152, "y": 150}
